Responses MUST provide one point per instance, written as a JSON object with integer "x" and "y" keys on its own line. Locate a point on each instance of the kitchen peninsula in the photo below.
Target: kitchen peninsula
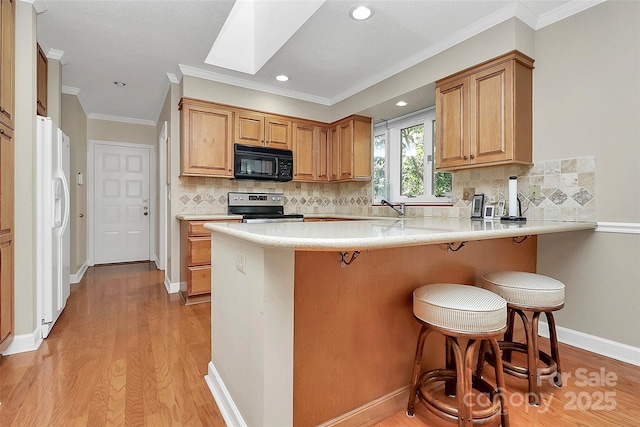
{"x": 312, "y": 322}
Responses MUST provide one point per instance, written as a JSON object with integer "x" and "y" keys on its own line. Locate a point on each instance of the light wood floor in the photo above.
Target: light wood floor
{"x": 124, "y": 352}
{"x": 597, "y": 392}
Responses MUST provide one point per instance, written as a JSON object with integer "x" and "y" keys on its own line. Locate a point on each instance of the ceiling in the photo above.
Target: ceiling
{"x": 145, "y": 43}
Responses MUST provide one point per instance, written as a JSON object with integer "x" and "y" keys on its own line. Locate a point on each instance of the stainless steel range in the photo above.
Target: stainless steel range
{"x": 260, "y": 207}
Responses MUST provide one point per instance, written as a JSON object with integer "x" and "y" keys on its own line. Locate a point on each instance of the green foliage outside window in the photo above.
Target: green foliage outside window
{"x": 412, "y": 167}
{"x": 412, "y": 178}
{"x": 379, "y": 167}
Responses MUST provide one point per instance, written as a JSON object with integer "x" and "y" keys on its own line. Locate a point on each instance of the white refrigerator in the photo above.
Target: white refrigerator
{"x": 53, "y": 241}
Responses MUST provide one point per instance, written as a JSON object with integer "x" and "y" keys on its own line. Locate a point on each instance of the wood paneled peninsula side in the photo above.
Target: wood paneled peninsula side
{"x": 312, "y": 322}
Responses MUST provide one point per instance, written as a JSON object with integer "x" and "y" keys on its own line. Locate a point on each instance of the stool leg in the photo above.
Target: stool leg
{"x": 508, "y": 335}
{"x": 416, "y": 370}
{"x": 481, "y": 358}
{"x": 555, "y": 355}
{"x": 532, "y": 360}
{"x": 504, "y": 413}
{"x": 463, "y": 381}
{"x": 450, "y": 363}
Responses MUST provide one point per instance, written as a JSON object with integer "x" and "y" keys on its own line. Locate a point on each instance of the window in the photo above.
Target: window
{"x": 403, "y": 153}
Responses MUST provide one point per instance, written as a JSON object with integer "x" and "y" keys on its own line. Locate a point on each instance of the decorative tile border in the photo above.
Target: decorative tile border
{"x": 209, "y": 195}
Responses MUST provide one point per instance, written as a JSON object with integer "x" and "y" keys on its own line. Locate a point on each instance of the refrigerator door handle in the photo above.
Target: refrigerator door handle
{"x": 67, "y": 202}
{"x": 56, "y": 202}
{"x": 60, "y": 202}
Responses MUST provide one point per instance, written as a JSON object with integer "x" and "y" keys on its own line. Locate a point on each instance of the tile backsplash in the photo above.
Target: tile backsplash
{"x": 568, "y": 192}
{"x": 568, "y": 188}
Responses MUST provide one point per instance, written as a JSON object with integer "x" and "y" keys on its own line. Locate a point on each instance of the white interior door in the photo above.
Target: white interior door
{"x": 121, "y": 203}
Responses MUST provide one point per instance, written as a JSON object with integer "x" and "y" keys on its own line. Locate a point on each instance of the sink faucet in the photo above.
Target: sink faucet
{"x": 400, "y": 211}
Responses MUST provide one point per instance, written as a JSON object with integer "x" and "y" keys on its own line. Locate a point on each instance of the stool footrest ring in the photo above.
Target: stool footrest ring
{"x": 549, "y": 371}
{"x": 428, "y": 383}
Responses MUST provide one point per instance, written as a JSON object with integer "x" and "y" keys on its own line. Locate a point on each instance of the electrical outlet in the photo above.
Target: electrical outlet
{"x": 241, "y": 263}
{"x": 534, "y": 192}
{"x": 467, "y": 193}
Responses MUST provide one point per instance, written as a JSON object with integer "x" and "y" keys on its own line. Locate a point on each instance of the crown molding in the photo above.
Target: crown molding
{"x": 70, "y": 90}
{"x": 131, "y": 120}
{"x": 58, "y": 55}
{"x": 565, "y": 11}
{"x": 173, "y": 78}
{"x": 75, "y": 91}
{"x": 490, "y": 21}
{"x": 188, "y": 70}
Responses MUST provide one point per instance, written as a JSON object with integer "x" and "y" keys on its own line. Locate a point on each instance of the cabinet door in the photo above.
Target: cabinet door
{"x": 42, "y": 71}
{"x": 452, "y": 124}
{"x": 491, "y": 133}
{"x": 277, "y": 133}
{"x": 346, "y": 150}
{"x": 6, "y": 181}
{"x": 6, "y": 236}
{"x": 335, "y": 154}
{"x": 249, "y": 128}
{"x": 206, "y": 141}
{"x": 6, "y": 292}
{"x": 7, "y": 35}
{"x": 304, "y": 143}
{"x": 323, "y": 152}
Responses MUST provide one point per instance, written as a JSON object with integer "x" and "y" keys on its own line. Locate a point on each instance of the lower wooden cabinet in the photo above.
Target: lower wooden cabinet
{"x": 195, "y": 260}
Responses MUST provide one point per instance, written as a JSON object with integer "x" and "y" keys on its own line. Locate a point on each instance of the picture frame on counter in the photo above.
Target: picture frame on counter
{"x": 489, "y": 211}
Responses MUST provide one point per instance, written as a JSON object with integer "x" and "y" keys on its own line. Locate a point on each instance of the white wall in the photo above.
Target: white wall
{"x": 587, "y": 102}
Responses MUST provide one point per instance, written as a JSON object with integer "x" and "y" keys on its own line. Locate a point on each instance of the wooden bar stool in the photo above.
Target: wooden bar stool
{"x": 467, "y": 316}
{"x": 528, "y": 295}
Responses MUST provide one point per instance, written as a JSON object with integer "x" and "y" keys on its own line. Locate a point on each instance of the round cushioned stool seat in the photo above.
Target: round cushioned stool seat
{"x": 526, "y": 289}
{"x": 460, "y": 308}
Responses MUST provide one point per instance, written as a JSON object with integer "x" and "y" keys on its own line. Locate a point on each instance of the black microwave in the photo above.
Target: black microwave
{"x": 255, "y": 162}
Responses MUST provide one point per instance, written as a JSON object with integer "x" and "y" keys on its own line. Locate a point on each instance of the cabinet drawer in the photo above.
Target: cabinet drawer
{"x": 196, "y": 228}
{"x": 199, "y": 251}
{"x": 199, "y": 280}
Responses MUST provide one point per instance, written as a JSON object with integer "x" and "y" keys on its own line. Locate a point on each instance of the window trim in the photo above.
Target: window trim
{"x": 391, "y": 129}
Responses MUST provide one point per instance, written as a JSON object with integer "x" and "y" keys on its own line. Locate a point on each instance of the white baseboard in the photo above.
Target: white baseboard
{"x": 226, "y": 405}
{"x": 602, "y": 346}
{"x": 24, "y": 343}
{"x": 171, "y": 287}
{"x": 76, "y": 278}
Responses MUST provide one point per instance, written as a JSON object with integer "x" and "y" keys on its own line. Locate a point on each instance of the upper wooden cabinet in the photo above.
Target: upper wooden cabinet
{"x": 7, "y": 65}
{"x": 42, "y": 70}
{"x": 322, "y": 152}
{"x": 207, "y": 148}
{"x": 351, "y": 149}
{"x": 484, "y": 114}
{"x": 305, "y": 151}
{"x": 311, "y": 151}
{"x": 257, "y": 129}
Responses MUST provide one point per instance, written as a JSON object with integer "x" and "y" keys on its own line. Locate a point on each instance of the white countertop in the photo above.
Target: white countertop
{"x": 377, "y": 233}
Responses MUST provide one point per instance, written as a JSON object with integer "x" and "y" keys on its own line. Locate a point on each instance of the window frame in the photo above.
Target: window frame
{"x": 391, "y": 129}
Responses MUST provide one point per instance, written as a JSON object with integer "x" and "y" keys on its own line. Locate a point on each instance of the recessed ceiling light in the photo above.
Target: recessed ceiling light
{"x": 119, "y": 84}
{"x": 401, "y": 104}
{"x": 282, "y": 78}
{"x": 361, "y": 13}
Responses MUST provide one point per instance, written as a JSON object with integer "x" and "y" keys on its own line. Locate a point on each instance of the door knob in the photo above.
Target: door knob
{"x": 146, "y": 213}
